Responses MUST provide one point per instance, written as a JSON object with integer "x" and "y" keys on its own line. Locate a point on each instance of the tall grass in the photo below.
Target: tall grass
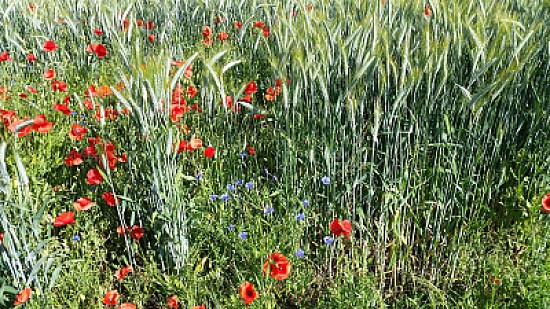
{"x": 432, "y": 129}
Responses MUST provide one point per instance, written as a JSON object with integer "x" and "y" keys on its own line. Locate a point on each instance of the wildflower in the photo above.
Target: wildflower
{"x": 238, "y": 24}
{"x": 247, "y": 292}
{"x": 268, "y": 210}
{"x": 340, "y": 228}
{"x": 83, "y": 203}
{"x": 239, "y": 182}
{"x": 49, "y": 74}
{"x": 98, "y": 32}
{"x": 136, "y": 232}
{"x": 173, "y": 302}
{"x": 49, "y": 46}
{"x": 300, "y": 217}
{"x": 111, "y": 298}
{"x": 31, "y": 58}
{"x": 94, "y": 177}
{"x": 199, "y": 176}
{"x": 151, "y": 38}
{"x": 213, "y": 197}
{"x": 223, "y": 36}
{"x": 249, "y": 185}
{"x": 76, "y": 238}
{"x": 230, "y": 187}
{"x": 206, "y": 32}
{"x": 242, "y": 235}
{"x": 328, "y": 240}
{"x": 77, "y": 131}
{"x": 299, "y": 253}
{"x": 231, "y": 227}
{"x": 251, "y": 88}
{"x": 209, "y": 152}
{"x": 494, "y": 280}
{"x": 127, "y": 306}
{"x": 279, "y": 266}
{"x": 41, "y": 125}
{"x": 22, "y": 297}
{"x": 242, "y": 154}
{"x": 546, "y": 203}
{"x": 200, "y": 307}
{"x": 305, "y": 203}
{"x": 121, "y": 273}
{"x": 5, "y": 57}
{"x": 259, "y": 24}
{"x": 325, "y": 180}
{"x": 109, "y": 198}
{"x": 64, "y": 219}
{"x": 224, "y": 197}
{"x": 98, "y": 49}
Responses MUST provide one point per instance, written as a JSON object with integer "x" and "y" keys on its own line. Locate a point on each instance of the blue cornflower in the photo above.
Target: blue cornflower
{"x": 76, "y": 238}
{"x": 242, "y": 235}
{"x": 83, "y": 123}
{"x": 268, "y": 210}
{"x": 224, "y": 197}
{"x": 213, "y": 197}
{"x": 242, "y": 154}
{"x": 328, "y": 240}
{"x": 199, "y": 176}
{"x": 230, "y": 187}
{"x": 300, "y": 217}
{"x": 266, "y": 171}
{"x": 249, "y": 185}
{"x": 325, "y": 180}
{"x": 231, "y": 227}
{"x": 239, "y": 182}
{"x": 274, "y": 178}
{"x": 299, "y": 253}
{"x": 92, "y": 187}
{"x": 305, "y": 203}
{"x": 178, "y": 155}
{"x": 74, "y": 114}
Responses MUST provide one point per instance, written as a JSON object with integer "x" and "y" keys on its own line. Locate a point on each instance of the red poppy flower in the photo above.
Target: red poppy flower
{"x": 90, "y": 91}
{"x": 2, "y": 239}
{"x": 494, "y": 280}
{"x": 136, "y": 232}
{"x": 22, "y": 297}
{"x": 269, "y": 94}
{"x": 41, "y": 125}
{"x": 266, "y": 32}
{"x": 73, "y": 158}
{"x": 188, "y": 71}
{"x": 98, "y": 32}
{"x": 251, "y": 150}
{"x": 259, "y": 24}
{"x": 151, "y": 38}
{"x": 31, "y": 89}
{"x": 238, "y": 24}
{"x": 207, "y": 42}
{"x": 209, "y": 152}
{"x": 279, "y": 266}
{"x": 83, "y": 203}
{"x": 104, "y": 91}
{"x": 64, "y": 219}
{"x": 247, "y": 292}
{"x": 195, "y": 143}
{"x": 62, "y": 108}
{"x": 98, "y": 49}
{"x": 93, "y": 177}
{"x": 49, "y": 46}
{"x": 127, "y": 306}
{"x": 191, "y": 91}
{"x": 139, "y": 23}
{"x": 219, "y": 19}
{"x": 340, "y": 228}
{"x": 251, "y": 88}
{"x": 149, "y": 25}
{"x": 120, "y": 230}
{"x": 200, "y": 307}
{"x": 173, "y": 302}
{"x": 427, "y": 10}
{"x": 121, "y": 273}
{"x": 5, "y": 57}
{"x": 546, "y": 203}
{"x": 111, "y": 298}
{"x": 49, "y": 74}
{"x": 59, "y": 86}
{"x": 223, "y": 36}
{"x": 206, "y": 32}
{"x": 77, "y": 131}
{"x": 109, "y": 198}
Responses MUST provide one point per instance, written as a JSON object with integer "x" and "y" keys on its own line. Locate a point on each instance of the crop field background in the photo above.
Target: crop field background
{"x": 275, "y": 154}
